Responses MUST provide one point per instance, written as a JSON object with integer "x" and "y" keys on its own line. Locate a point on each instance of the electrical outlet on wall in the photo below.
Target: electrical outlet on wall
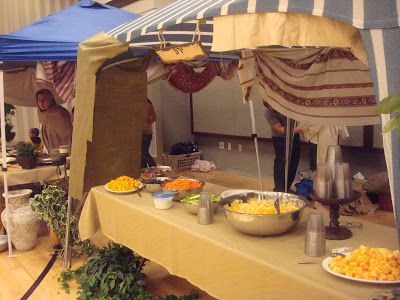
{"x": 240, "y": 149}
{"x": 229, "y": 146}
{"x": 221, "y": 145}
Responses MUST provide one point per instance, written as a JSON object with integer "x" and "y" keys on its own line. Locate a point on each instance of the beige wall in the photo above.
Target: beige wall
{"x": 15, "y": 14}
{"x": 146, "y": 6}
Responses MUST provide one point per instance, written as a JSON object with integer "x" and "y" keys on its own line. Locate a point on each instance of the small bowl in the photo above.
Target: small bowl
{"x": 153, "y": 185}
{"x": 193, "y": 208}
{"x": 163, "y": 200}
{"x": 3, "y": 242}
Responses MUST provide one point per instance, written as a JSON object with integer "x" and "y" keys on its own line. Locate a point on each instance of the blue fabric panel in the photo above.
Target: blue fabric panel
{"x": 391, "y": 40}
{"x": 367, "y": 40}
{"x": 339, "y": 10}
{"x": 304, "y": 6}
{"x": 267, "y": 5}
{"x": 380, "y": 14}
{"x": 238, "y": 7}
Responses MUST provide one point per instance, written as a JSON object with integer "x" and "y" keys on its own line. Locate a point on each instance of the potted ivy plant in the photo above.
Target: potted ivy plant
{"x": 51, "y": 206}
{"x": 26, "y": 155}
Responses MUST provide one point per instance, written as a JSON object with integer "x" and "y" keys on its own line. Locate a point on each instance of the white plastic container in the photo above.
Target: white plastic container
{"x": 163, "y": 200}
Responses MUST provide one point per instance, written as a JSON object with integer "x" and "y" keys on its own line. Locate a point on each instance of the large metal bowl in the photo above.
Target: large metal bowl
{"x": 158, "y": 171}
{"x": 180, "y": 194}
{"x": 262, "y": 224}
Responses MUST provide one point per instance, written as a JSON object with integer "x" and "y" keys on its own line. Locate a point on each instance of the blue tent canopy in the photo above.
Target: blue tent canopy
{"x": 57, "y": 36}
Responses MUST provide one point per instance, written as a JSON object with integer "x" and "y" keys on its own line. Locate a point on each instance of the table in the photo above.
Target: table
{"x": 216, "y": 258}
{"x": 18, "y": 176}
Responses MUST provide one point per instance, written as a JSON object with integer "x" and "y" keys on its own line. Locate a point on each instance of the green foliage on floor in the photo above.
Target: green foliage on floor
{"x": 113, "y": 272}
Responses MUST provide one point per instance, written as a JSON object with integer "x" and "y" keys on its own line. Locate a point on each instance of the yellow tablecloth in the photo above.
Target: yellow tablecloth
{"x": 219, "y": 260}
{"x": 17, "y": 175}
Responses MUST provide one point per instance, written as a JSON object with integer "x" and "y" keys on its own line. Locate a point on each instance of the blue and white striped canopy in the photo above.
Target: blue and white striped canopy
{"x": 378, "y": 21}
{"x": 179, "y": 18}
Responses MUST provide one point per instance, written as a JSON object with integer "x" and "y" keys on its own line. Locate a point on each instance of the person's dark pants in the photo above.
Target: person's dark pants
{"x": 313, "y": 157}
{"x": 147, "y": 159}
{"x": 279, "y": 162}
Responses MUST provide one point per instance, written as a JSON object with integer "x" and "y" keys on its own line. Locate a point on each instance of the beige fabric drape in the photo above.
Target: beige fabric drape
{"x": 20, "y": 87}
{"x": 324, "y": 85}
{"x": 240, "y": 31}
{"x": 92, "y": 53}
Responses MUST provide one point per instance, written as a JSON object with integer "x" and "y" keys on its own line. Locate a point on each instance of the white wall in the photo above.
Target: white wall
{"x": 173, "y": 116}
{"x": 146, "y": 6}
{"x": 219, "y": 108}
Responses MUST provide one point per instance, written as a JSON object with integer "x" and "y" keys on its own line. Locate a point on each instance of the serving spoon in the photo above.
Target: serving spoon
{"x": 318, "y": 262}
{"x": 276, "y": 204}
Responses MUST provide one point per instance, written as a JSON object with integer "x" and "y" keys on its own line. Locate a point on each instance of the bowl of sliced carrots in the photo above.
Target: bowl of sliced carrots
{"x": 183, "y": 187}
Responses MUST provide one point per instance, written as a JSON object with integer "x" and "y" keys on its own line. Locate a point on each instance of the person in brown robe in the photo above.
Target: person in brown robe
{"x": 55, "y": 120}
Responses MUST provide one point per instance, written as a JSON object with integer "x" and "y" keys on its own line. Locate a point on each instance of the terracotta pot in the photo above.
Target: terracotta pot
{"x": 24, "y": 223}
{"x": 27, "y": 162}
{"x": 55, "y": 242}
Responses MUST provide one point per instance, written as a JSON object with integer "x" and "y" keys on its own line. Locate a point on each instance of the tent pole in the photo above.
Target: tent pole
{"x": 254, "y": 135}
{"x": 288, "y": 150}
{"x": 4, "y": 159}
{"x": 67, "y": 254}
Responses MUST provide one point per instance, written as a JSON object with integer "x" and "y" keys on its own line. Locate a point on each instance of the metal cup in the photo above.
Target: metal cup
{"x": 323, "y": 182}
{"x": 323, "y": 189}
{"x": 315, "y": 239}
{"x": 333, "y": 156}
{"x": 205, "y": 211}
{"x": 343, "y": 189}
{"x": 323, "y": 173}
{"x": 342, "y": 171}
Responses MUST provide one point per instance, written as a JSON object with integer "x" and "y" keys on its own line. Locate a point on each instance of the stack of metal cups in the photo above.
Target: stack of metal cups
{"x": 333, "y": 156}
{"x": 205, "y": 214}
{"x": 315, "y": 239}
{"x": 323, "y": 183}
{"x": 343, "y": 181}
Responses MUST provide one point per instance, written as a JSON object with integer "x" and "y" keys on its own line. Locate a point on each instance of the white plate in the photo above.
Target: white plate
{"x": 123, "y": 192}
{"x": 228, "y": 193}
{"x": 326, "y": 267}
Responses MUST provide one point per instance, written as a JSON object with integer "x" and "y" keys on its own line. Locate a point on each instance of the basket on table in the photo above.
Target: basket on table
{"x": 181, "y": 161}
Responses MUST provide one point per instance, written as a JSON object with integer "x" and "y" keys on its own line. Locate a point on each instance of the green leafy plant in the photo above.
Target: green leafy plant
{"x": 389, "y": 105}
{"x": 64, "y": 279}
{"x": 113, "y": 272}
{"x": 25, "y": 149}
{"x": 51, "y": 207}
